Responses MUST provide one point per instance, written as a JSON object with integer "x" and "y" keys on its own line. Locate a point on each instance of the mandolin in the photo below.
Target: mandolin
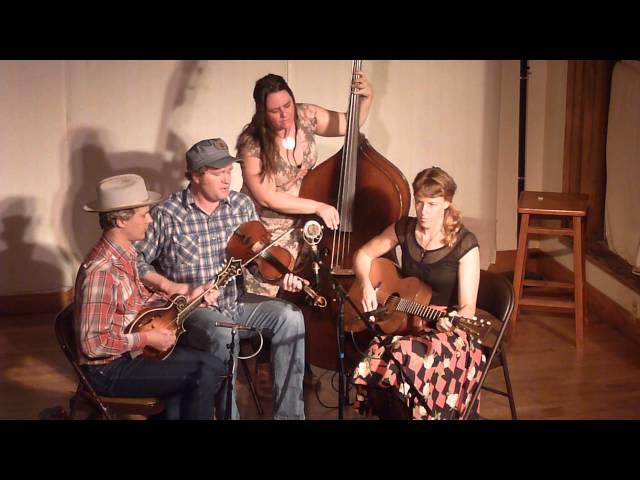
{"x": 177, "y": 309}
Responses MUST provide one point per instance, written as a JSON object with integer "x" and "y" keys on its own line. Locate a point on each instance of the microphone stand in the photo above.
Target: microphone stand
{"x": 318, "y": 265}
{"x": 231, "y": 362}
{"x": 343, "y": 296}
{"x": 231, "y": 368}
{"x": 342, "y": 376}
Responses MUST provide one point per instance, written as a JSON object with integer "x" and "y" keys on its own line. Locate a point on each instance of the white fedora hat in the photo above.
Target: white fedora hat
{"x": 122, "y": 192}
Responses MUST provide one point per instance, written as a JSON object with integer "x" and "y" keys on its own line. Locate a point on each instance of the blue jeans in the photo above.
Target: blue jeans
{"x": 282, "y": 323}
{"x": 187, "y": 380}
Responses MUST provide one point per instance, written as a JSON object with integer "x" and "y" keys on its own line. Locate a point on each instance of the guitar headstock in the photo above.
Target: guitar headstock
{"x": 482, "y": 331}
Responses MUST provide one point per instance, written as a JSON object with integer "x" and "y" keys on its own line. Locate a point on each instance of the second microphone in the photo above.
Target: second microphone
{"x": 235, "y": 326}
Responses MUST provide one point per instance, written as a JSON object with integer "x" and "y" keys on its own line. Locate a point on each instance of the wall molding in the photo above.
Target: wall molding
{"x": 597, "y": 303}
{"x": 599, "y": 254}
{"x": 48, "y": 302}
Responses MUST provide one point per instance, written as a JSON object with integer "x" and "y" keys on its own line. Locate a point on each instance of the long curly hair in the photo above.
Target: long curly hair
{"x": 258, "y": 130}
{"x": 435, "y": 182}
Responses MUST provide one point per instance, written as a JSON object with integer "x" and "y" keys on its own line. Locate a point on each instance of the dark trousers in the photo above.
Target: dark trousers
{"x": 187, "y": 380}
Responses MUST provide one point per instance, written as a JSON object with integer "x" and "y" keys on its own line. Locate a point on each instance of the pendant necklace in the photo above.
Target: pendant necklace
{"x": 289, "y": 144}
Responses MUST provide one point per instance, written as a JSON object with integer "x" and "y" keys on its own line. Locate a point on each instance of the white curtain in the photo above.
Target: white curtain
{"x": 622, "y": 218}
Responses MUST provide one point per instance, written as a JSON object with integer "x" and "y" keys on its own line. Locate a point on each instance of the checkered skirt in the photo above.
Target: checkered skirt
{"x": 444, "y": 367}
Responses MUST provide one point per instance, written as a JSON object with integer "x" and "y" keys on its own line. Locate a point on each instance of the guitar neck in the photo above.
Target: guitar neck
{"x": 422, "y": 311}
{"x": 477, "y": 329}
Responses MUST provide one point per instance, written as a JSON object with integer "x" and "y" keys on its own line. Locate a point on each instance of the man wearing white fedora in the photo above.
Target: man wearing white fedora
{"x": 109, "y": 295}
{"x": 185, "y": 247}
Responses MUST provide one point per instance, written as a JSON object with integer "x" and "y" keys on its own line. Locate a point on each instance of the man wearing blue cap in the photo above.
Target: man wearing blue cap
{"x": 185, "y": 248}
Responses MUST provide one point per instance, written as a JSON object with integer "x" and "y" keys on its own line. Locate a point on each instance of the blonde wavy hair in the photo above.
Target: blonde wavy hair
{"x": 435, "y": 182}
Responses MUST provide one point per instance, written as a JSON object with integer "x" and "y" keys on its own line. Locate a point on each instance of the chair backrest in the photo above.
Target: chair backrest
{"x": 496, "y": 296}
{"x": 67, "y": 341}
{"x": 65, "y": 335}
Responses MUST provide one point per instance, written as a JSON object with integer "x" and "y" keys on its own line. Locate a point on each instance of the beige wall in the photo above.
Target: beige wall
{"x": 555, "y": 101}
{"x": 66, "y": 124}
{"x": 507, "y": 191}
{"x": 32, "y": 126}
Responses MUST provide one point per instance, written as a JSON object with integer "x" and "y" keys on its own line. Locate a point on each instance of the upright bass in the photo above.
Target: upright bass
{"x": 370, "y": 193}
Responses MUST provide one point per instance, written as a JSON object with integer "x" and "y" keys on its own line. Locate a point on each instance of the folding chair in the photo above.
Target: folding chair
{"x": 496, "y": 296}
{"x": 107, "y": 407}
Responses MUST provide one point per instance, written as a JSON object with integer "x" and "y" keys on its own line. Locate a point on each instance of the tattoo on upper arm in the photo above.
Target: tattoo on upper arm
{"x": 308, "y": 117}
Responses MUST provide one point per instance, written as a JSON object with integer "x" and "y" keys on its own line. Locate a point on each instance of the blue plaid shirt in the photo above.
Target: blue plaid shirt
{"x": 186, "y": 245}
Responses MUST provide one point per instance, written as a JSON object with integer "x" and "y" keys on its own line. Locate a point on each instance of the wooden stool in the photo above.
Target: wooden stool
{"x": 560, "y": 205}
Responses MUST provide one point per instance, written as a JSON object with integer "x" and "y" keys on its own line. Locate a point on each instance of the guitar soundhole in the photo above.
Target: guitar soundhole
{"x": 392, "y": 302}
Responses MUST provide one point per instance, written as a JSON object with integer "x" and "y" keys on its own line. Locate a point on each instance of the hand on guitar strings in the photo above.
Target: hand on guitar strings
{"x": 369, "y": 299}
{"x": 444, "y": 323}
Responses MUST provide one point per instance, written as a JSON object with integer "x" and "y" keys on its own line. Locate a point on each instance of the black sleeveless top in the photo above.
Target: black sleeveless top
{"x": 438, "y": 268}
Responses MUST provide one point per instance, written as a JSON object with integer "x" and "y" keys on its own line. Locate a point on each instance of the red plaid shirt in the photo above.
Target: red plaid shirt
{"x": 108, "y": 296}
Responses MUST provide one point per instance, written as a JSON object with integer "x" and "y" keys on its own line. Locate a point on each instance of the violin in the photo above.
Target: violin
{"x": 252, "y": 243}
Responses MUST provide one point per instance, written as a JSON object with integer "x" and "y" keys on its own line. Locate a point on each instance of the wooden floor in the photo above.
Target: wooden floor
{"x": 550, "y": 379}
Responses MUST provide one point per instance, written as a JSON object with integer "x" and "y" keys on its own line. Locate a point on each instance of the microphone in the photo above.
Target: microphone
{"x": 373, "y": 325}
{"x": 235, "y": 326}
{"x": 312, "y": 232}
{"x": 376, "y": 312}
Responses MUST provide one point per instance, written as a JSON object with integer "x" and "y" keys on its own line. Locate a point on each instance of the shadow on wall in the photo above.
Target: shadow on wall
{"x": 22, "y": 263}
{"x": 178, "y": 97}
{"x": 90, "y": 163}
{"x": 25, "y": 266}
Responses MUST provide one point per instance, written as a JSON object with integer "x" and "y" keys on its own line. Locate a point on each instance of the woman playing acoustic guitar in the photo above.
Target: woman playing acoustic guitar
{"x": 442, "y": 362}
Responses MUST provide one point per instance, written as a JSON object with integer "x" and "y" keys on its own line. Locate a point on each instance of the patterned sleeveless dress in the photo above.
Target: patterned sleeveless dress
{"x": 288, "y": 178}
{"x": 443, "y": 366}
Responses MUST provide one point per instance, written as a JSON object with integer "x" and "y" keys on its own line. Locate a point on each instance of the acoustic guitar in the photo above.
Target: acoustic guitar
{"x": 405, "y": 307}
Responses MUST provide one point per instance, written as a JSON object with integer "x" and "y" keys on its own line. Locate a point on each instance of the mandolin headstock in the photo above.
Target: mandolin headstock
{"x": 231, "y": 269}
